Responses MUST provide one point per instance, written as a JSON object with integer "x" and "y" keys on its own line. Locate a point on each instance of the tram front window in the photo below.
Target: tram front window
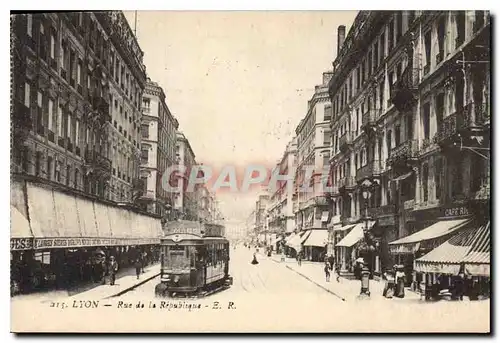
{"x": 177, "y": 257}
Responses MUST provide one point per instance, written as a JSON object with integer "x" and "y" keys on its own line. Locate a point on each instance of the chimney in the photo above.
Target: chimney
{"x": 340, "y": 38}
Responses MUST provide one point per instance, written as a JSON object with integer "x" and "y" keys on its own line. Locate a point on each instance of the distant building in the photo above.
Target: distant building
{"x": 186, "y": 202}
{"x": 158, "y": 146}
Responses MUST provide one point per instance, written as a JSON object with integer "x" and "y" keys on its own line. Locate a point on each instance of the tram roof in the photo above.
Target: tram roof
{"x": 194, "y": 228}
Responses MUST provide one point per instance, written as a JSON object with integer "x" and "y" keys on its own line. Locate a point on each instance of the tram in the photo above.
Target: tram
{"x": 194, "y": 259}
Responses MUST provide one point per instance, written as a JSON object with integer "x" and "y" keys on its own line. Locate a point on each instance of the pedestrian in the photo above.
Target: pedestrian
{"x": 337, "y": 273}
{"x": 327, "y": 271}
{"x": 138, "y": 267}
{"x": 144, "y": 260}
{"x": 299, "y": 258}
{"x": 254, "y": 261}
{"x": 112, "y": 270}
{"x": 331, "y": 260}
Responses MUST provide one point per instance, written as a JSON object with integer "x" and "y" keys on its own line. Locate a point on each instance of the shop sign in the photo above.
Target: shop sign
{"x": 457, "y": 211}
{"x": 46, "y": 243}
{"x": 21, "y": 243}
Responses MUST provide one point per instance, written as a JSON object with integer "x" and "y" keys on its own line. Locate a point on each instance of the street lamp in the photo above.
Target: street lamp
{"x": 365, "y": 272}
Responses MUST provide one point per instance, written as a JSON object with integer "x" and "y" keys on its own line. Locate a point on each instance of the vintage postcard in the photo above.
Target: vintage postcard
{"x": 217, "y": 171}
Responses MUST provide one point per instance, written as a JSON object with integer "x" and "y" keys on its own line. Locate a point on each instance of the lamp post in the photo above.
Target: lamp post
{"x": 365, "y": 272}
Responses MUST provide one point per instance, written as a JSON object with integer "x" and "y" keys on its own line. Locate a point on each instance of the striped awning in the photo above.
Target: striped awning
{"x": 477, "y": 261}
{"x": 442, "y": 229}
{"x": 356, "y": 235}
{"x": 471, "y": 245}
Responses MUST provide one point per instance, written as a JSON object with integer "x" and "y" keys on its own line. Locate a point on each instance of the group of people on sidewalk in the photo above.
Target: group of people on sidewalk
{"x": 330, "y": 267}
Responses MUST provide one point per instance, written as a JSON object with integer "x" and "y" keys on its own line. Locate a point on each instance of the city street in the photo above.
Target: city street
{"x": 265, "y": 297}
{"x": 267, "y": 279}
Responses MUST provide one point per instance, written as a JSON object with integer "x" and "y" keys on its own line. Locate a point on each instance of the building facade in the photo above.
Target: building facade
{"x": 186, "y": 201}
{"x": 410, "y": 96}
{"x": 280, "y": 208}
{"x": 313, "y": 154}
{"x": 70, "y": 69}
{"x": 158, "y": 145}
{"x": 261, "y": 218}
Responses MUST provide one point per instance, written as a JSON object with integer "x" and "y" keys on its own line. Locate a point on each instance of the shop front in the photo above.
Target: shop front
{"x": 348, "y": 250}
{"x": 459, "y": 266}
{"x": 72, "y": 237}
{"x": 315, "y": 245}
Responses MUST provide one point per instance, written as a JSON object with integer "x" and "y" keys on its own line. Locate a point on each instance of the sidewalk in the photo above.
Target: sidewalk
{"x": 347, "y": 290}
{"x": 122, "y": 285}
{"x": 125, "y": 281}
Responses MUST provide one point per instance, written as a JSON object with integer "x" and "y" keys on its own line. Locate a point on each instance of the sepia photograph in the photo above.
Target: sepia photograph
{"x": 250, "y": 171}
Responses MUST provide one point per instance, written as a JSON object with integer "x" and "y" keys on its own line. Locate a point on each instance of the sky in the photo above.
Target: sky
{"x": 238, "y": 82}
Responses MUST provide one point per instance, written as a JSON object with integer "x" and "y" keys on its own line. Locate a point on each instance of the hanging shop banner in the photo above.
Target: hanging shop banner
{"x": 21, "y": 243}
{"x": 49, "y": 243}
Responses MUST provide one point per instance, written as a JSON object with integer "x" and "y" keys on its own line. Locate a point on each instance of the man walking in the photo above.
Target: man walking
{"x": 113, "y": 269}
{"x": 327, "y": 271}
{"x": 299, "y": 258}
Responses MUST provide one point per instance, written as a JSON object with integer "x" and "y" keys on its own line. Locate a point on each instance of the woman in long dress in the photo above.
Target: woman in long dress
{"x": 254, "y": 261}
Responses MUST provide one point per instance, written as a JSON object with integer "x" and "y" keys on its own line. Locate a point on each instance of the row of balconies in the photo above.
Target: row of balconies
{"x": 473, "y": 116}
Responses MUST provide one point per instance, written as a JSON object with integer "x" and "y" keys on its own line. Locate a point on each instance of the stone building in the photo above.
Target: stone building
{"x": 280, "y": 207}
{"x": 313, "y": 154}
{"x": 159, "y": 141}
{"x": 186, "y": 201}
{"x": 77, "y": 84}
{"x": 410, "y": 95}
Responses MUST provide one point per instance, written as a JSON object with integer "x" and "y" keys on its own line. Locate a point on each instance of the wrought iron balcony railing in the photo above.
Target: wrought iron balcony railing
{"x": 403, "y": 153}
{"x": 370, "y": 170}
{"x": 369, "y": 118}
{"x": 403, "y": 92}
{"x": 345, "y": 140}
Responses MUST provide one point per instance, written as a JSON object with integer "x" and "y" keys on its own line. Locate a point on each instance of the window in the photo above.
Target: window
{"x": 437, "y": 176}
{"x": 27, "y": 95}
{"x": 397, "y": 134}
{"x": 389, "y": 141}
{"x": 381, "y": 92}
{"x": 460, "y": 20}
{"x": 38, "y": 160}
{"x": 68, "y": 174}
{"x": 29, "y": 25}
{"x": 441, "y": 32}
{"x": 77, "y": 176}
{"x": 144, "y": 156}
{"x": 391, "y": 81}
{"x": 79, "y": 72}
{"x": 145, "y": 131}
{"x": 425, "y": 182}
{"x": 77, "y": 131}
{"x": 68, "y": 126}
{"x": 427, "y": 43}
{"x": 52, "y": 46}
{"x": 399, "y": 28}
{"x": 409, "y": 126}
{"x": 439, "y": 110}
{"x": 51, "y": 114}
{"x": 39, "y": 99}
{"x": 426, "y": 120}
{"x": 49, "y": 167}
{"x": 59, "y": 121}
{"x": 327, "y": 138}
{"x": 375, "y": 56}
{"x": 370, "y": 56}
{"x": 382, "y": 46}
{"x": 390, "y": 42}
{"x": 328, "y": 112}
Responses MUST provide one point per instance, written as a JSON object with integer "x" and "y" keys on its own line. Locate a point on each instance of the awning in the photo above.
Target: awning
{"x": 60, "y": 220}
{"x": 317, "y": 238}
{"x": 441, "y": 229}
{"x": 277, "y": 239}
{"x": 324, "y": 216}
{"x": 297, "y": 241}
{"x": 477, "y": 261}
{"x": 447, "y": 257}
{"x": 402, "y": 177}
{"x": 344, "y": 228}
{"x": 354, "y": 236}
{"x": 289, "y": 238}
{"x": 21, "y": 237}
